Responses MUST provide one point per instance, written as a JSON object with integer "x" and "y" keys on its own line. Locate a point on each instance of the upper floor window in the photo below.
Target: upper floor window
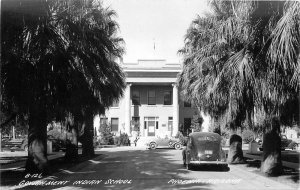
{"x": 168, "y": 98}
{"x": 187, "y": 104}
{"x": 151, "y": 97}
{"x": 114, "y": 124}
{"x": 135, "y": 97}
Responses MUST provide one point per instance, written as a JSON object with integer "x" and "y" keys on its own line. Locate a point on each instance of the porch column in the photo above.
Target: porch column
{"x": 175, "y": 110}
{"x": 127, "y": 109}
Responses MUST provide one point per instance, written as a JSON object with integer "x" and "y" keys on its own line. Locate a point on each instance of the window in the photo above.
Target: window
{"x": 135, "y": 97}
{"x": 103, "y": 121}
{"x": 170, "y": 123}
{"x": 167, "y": 98}
{"x": 151, "y": 97}
{"x": 135, "y": 122}
{"x": 103, "y": 124}
{"x": 187, "y": 104}
{"x": 114, "y": 124}
{"x": 115, "y": 104}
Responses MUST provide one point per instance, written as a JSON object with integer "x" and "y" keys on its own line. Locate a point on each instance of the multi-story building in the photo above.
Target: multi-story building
{"x": 151, "y": 105}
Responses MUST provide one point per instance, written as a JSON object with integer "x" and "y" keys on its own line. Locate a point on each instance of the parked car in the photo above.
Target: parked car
{"x": 285, "y": 144}
{"x": 288, "y": 143}
{"x": 15, "y": 144}
{"x": 204, "y": 148}
{"x": 57, "y": 144}
{"x": 164, "y": 142}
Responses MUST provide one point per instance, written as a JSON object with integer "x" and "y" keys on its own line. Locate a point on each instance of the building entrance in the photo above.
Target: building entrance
{"x": 151, "y": 124}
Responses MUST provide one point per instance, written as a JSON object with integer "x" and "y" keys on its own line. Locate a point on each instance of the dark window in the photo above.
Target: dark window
{"x": 156, "y": 124}
{"x": 103, "y": 124}
{"x": 187, "y": 104}
{"x": 135, "y": 122}
{"x": 151, "y": 97}
{"x": 170, "y": 123}
{"x": 115, "y": 104}
{"x": 135, "y": 97}
{"x": 103, "y": 121}
{"x": 114, "y": 124}
{"x": 168, "y": 98}
{"x": 145, "y": 124}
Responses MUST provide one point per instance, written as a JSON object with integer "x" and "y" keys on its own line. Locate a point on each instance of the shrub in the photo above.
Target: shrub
{"x": 124, "y": 139}
{"x": 182, "y": 139}
{"x": 117, "y": 140}
{"x": 247, "y": 136}
{"x": 106, "y": 139}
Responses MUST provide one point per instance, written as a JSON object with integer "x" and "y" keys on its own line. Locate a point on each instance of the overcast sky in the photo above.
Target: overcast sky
{"x": 155, "y": 29}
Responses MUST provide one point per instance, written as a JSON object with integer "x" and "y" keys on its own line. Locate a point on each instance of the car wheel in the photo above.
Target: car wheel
{"x": 225, "y": 168}
{"x": 152, "y": 145}
{"x": 177, "y": 146}
{"x": 188, "y": 166}
{"x": 171, "y": 144}
{"x": 184, "y": 164}
{"x": 295, "y": 146}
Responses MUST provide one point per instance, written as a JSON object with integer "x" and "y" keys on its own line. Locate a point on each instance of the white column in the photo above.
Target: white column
{"x": 127, "y": 109}
{"x": 175, "y": 110}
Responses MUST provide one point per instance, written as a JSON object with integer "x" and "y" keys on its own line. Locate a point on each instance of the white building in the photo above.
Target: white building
{"x": 151, "y": 105}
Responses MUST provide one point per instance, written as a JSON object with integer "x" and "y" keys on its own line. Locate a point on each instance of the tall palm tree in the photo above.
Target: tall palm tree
{"x": 57, "y": 59}
{"x": 231, "y": 67}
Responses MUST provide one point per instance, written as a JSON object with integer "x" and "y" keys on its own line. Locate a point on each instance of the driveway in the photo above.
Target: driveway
{"x": 137, "y": 168}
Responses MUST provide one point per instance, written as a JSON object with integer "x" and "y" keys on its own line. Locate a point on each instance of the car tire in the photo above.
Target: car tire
{"x": 177, "y": 146}
{"x": 188, "y": 166}
{"x": 171, "y": 144}
{"x": 295, "y": 146}
{"x": 152, "y": 145}
{"x": 184, "y": 164}
{"x": 225, "y": 168}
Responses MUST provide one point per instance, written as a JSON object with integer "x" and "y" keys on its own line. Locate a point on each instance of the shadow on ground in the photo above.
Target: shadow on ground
{"x": 15, "y": 176}
{"x": 147, "y": 169}
{"x": 288, "y": 173}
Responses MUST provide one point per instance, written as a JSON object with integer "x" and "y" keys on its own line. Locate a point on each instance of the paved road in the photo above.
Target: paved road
{"x": 137, "y": 168}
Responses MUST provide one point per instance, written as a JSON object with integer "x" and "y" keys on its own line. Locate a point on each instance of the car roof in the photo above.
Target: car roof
{"x": 198, "y": 134}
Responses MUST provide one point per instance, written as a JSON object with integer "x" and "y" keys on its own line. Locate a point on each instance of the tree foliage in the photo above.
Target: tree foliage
{"x": 241, "y": 66}
{"x": 59, "y": 57}
{"x": 243, "y": 58}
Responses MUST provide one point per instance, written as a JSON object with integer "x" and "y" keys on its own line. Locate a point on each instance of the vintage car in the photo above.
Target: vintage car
{"x": 285, "y": 144}
{"x": 204, "y": 148}
{"x": 164, "y": 143}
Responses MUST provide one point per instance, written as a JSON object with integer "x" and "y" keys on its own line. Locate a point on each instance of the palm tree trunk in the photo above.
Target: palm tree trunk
{"x": 235, "y": 153}
{"x": 72, "y": 146}
{"x": 37, "y": 161}
{"x": 272, "y": 164}
{"x": 87, "y": 138}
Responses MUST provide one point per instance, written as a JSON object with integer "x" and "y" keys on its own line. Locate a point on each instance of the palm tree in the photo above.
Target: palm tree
{"x": 59, "y": 59}
{"x": 231, "y": 67}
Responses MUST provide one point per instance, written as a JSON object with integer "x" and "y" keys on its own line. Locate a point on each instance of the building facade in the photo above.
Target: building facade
{"x": 151, "y": 105}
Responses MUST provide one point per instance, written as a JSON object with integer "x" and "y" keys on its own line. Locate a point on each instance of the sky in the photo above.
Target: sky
{"x": 154, "y": 29}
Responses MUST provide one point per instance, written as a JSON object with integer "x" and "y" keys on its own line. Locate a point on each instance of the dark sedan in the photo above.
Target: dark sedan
{"x": 204, "y": 148}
